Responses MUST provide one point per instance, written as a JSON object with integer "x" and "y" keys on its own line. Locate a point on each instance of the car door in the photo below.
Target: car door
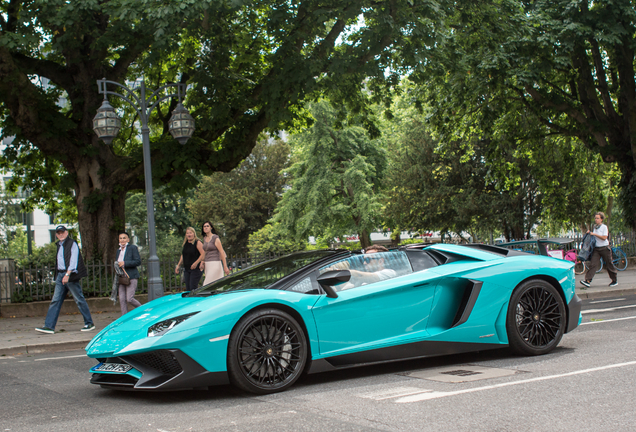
{"x": 378, "y": 314}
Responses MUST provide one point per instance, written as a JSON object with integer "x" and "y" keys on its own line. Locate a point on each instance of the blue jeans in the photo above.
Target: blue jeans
{"x": 58, "y": 299}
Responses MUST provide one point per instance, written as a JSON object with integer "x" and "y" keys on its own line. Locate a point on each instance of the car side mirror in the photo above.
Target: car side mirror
{"x": 328, "y": 279}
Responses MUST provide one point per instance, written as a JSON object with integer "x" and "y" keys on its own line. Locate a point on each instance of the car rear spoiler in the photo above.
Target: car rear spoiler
{"x": 541, "y": 244}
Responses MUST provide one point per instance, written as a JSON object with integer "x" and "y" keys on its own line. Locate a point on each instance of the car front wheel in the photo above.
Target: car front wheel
{"x": 536, "y": 318}
{"x": 267, "y": 352}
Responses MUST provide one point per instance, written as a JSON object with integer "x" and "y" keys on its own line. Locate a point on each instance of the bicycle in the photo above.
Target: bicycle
{"x": 581, "y": 267}
{"x": 619, "y": 259}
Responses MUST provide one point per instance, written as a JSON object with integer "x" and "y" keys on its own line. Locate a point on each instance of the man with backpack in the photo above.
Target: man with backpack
{"x": 601, "y": 249}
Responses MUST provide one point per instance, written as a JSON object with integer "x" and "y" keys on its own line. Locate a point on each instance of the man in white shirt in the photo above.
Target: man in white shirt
{"x": 601, "y": 249}
{"x": 375, "y": 265}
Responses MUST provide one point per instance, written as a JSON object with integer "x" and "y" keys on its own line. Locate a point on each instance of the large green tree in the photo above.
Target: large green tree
{"x": 240, "y": 202}
{"x": 570, "y": 65}
{"x": 507, "y": 184}
{"x": 251, "y": 65}
{"x": 335, "y": 180}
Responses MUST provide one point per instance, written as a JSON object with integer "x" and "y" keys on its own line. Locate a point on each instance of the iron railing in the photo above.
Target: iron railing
{"x": 20, "y": 285}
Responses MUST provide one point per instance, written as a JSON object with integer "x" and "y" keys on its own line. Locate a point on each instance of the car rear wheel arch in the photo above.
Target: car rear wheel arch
{"x": 555, "y": 283}
{"x": 536, "y": 318}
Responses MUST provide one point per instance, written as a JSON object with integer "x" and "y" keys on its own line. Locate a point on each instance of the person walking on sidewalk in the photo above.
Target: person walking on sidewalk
{"x": 601, "y": 249}
{"x": 215, "y": 264}
{"x": 192, "y": 255}
{"x": 69, "y": 271}
{"x": 128, "y": 259}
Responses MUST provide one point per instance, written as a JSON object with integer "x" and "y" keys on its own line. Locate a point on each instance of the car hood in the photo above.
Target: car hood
{"x": 215, "y": 318}
{"x": 134, "y": 325}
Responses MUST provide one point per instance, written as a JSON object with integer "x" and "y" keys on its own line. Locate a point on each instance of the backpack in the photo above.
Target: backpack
{"x": 587, "y": 246}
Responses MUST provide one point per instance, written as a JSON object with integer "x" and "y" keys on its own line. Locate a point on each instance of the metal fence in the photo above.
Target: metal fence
{"x": 21, "y": 285}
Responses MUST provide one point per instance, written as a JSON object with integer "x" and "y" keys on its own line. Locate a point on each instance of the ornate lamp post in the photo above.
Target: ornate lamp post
{"x": 106, "y": 125}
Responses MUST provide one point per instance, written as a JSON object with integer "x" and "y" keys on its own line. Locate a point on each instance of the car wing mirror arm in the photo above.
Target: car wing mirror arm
{"x": 328, "y": 279}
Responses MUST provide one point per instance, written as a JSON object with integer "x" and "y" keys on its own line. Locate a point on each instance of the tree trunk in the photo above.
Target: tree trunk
{"x": 365, "y": 239}
{"x": 395, "y": 238}
{"x": 608, "y": 210}
{"x": 101, "y": 215}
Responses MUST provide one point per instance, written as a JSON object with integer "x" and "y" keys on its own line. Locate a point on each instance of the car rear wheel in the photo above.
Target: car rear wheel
{"x": 267, "y": 352}
{"x": 536, "y": 318}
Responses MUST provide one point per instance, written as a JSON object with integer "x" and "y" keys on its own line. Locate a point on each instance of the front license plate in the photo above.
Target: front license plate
{"x": 112, "y": 367}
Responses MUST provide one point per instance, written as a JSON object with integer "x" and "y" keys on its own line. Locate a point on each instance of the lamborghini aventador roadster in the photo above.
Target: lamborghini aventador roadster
{"x": 317, "y": 311}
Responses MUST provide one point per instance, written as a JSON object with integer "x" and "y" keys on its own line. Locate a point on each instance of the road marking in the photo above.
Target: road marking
{"x": 441, "y": 394}
{"x": 607, "y": 301}
{"x": 608, "y": 320}
{"x": 606, "y": 310}
{"x": 393, "y": 393}
{"x": 58, "y": 358}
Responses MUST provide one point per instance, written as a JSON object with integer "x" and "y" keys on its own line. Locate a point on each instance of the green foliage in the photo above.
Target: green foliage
{"x": 506, "y": 179}
{"x": 240, "y": 202}
{"x": 271, "y": 239}
{"x": 171, "y": 212}
{"x": 171, "y": 220}
{"x": 251, "y": 67}
{"x": 335, "y": 180}
{"x": 542, "y": 68}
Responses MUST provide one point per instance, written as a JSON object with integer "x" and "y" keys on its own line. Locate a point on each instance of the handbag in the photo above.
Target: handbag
{"x": 124, "y": 280}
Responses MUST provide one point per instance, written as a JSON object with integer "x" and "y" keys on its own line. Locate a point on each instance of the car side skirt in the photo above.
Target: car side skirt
{"x": 410, "y": 351}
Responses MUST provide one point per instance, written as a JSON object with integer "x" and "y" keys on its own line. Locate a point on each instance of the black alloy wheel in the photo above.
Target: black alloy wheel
{"x": 536, "y": 318}
{"x": 267, "y": 352}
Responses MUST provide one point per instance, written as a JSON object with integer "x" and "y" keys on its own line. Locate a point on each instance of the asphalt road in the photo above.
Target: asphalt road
{"x": 587, "y": 384}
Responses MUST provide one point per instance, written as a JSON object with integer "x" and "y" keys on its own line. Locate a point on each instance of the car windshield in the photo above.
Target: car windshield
{"x": 264, "y": 274}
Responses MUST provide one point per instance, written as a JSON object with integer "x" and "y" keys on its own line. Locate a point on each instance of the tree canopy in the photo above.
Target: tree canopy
{"x": 335, "y": 180}
{"x": 251, "y": 65}
{"x": 240, "y": 202}
{"x": 568, "y": 65}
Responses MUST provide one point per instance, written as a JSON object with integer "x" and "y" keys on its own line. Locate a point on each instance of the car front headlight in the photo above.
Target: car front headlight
{"x": 163, "y": 327}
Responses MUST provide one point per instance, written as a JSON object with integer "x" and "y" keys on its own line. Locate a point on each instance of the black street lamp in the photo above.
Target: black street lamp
{"x": 106, "y": 125}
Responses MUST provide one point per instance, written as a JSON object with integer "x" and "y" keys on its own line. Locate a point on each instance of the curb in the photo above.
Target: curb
{"x": 53, "y": 347}
{"x": 602, "y": 294}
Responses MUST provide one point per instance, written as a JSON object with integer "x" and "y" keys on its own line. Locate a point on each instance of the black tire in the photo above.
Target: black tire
{"x": 267, "y": 352}
{"x": 536, "y": 318}
{"x": 619, "y": 259}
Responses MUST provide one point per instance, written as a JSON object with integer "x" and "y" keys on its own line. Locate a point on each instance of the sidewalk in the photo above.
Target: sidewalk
{"x": 18, "y": 335}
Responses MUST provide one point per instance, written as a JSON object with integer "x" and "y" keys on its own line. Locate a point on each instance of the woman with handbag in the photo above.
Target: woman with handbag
{"x": 128, "y": 260}
{"x": 214, "y": 265}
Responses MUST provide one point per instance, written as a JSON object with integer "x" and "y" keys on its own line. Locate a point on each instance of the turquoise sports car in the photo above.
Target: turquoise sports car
{"x": 324, "y": 310}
